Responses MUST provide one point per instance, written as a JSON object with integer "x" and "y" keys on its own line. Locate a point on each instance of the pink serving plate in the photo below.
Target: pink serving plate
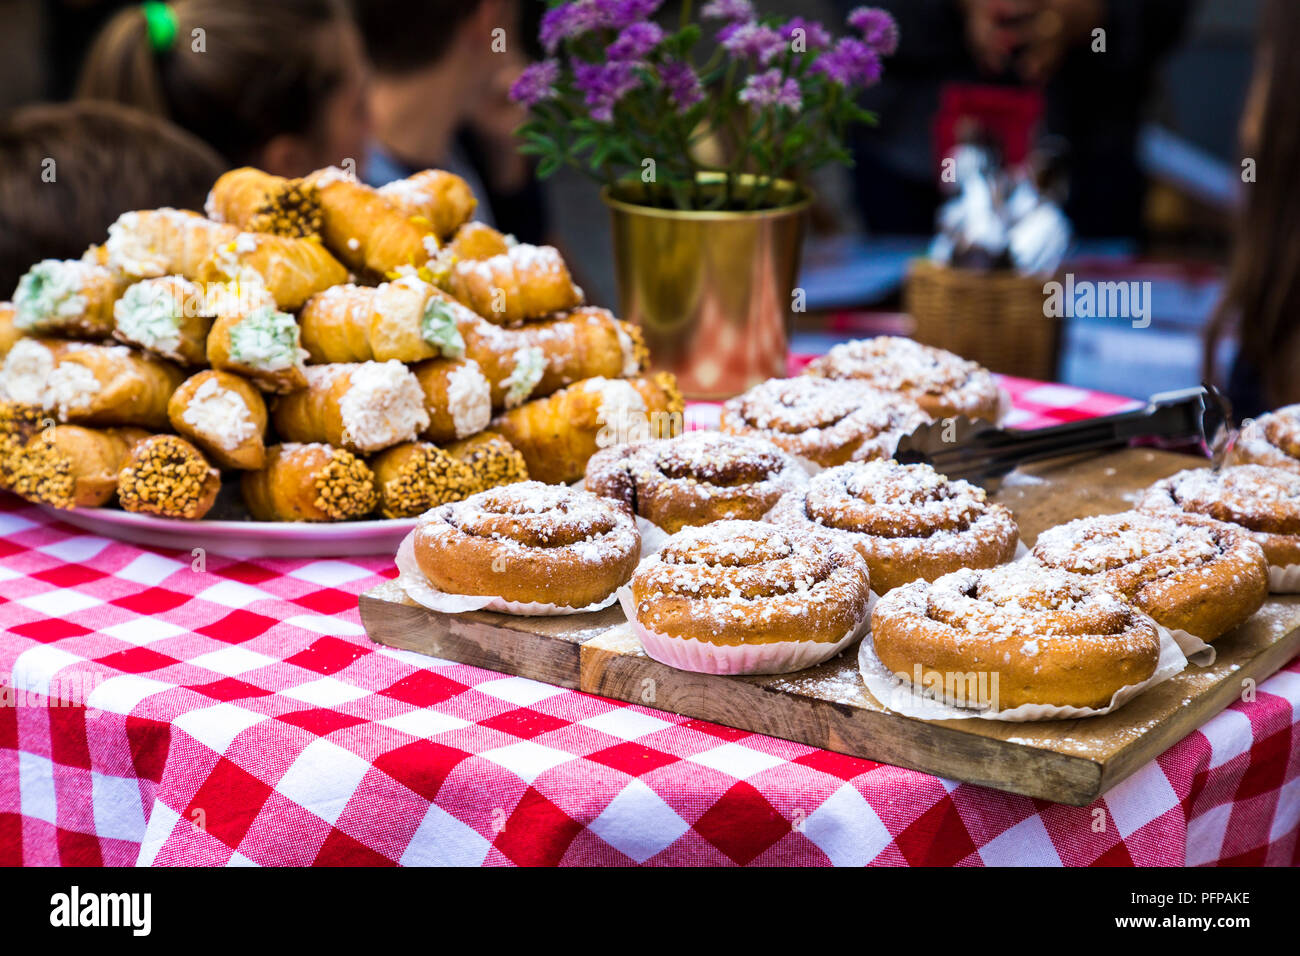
{"x": 243, "y": 539}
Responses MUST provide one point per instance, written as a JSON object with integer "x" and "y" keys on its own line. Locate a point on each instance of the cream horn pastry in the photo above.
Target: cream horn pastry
{"x": 309, "y": 482}
{"x": 257, "y": 201}
{"x": 457, "y": 398}
{"x": 476, "y": 240}
{"x": 525, "y": 282}
{"x": 537, "y": 358}
{"x": 407, "y": 319}
{"x": 224, "y": 416}
{"x": 18, "y": 424}
{"x": 363, "y": 407}
{"x": 557, "y": 435}
{"x": 293, "y": 270}
{"x": 90, "y": 384}
{"x": 492, "y": 460}
{"x": 152, "y": 243}
{"x": 69, "y": 298}
{"x": 366, "y": 231}
{"x": 166, "y": 476}
{"x": 258, "y": 341}
{"x": 69, "y": 466}
{"x": 413, "y": 477}
{"x": 442, "y": 199}
{"x": 167, "y": 316}
{"x": 9, "y": 331}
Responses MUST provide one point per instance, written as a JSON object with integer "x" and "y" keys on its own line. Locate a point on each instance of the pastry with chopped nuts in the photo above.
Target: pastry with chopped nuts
{"x": 166, "y": 476}
{"x": 309, "y": 482}
{"x": 69, "y": 466}
{"x": 493, "y": 460}
{"x": 415, "y": 476}
{"x": 256, "y": 201}
{"x": 18, "y": 423}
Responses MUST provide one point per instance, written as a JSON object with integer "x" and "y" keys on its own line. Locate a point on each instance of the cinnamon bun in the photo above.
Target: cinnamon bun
{"x": 907, "y": 521}
{"x": 825, "y": 421}
{"x": 695, "y": 478}
{"x": 942, "y": 383}
{"x": 1188, "y": 572}
{"x": 529, "y": 542}
{"x": 1272, "y": 439}
{"x": 1263, "y": 501}
{"x": 1041, "y": 636}
{"x": 744, "y": 597}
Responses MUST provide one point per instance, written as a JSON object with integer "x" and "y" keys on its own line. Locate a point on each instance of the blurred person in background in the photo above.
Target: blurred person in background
{"x": 68, "y": 170}
{"x": 277, "y": 85}
{"x": 1261, "y": 301}
{"x": 438, "y": 96}
{"x": 1093, "y": 100}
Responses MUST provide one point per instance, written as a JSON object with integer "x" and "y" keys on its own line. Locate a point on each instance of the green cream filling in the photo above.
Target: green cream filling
{"x": 530, "y": 364}
{"x": 265, "y": 340}
{"x": 147, "y": 315}
{"x": 438, "y": 329}
{"x": 49, "y": 290}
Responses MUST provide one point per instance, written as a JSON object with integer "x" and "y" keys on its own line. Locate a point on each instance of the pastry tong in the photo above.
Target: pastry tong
{"x": 983, "y": 453}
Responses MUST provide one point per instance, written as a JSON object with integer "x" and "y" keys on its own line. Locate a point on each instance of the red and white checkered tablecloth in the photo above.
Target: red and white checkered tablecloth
{"x": 238, "y": 715}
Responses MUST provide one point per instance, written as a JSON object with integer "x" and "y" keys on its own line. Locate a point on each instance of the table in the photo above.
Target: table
{"x": 236, "y": 714}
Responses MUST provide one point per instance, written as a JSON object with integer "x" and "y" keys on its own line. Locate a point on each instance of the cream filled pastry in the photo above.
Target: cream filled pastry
{"x": 363, "y": 407}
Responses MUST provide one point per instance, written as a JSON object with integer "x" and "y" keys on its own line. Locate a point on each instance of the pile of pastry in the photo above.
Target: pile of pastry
{"x": 325, "y": 350}
{"x": 751, "y": 550}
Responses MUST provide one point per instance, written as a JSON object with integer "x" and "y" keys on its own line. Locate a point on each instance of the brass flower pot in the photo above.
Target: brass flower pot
{"x": 712, "y": 291}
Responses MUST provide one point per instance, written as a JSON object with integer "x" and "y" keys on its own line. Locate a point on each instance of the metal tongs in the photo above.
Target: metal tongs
{"x": 983, "y": 453}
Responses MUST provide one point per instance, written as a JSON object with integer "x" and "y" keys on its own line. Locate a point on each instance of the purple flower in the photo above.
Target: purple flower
{"x": 815, "y": 36}
{"x": 567, "y": 21}
{"x": 536, "y": 83}
{"x": 728, "y": 10}
{"x": 877, "y": 28}
{"x": 753, "y": 40}
{"x": 620, "y": 13}
{"x": 635, "y": 41}
{"x": 682, "y": 84}
{"x": 604, "y": 84}
{"x": 850, "y": 63}
{"x": 769, "y": 89}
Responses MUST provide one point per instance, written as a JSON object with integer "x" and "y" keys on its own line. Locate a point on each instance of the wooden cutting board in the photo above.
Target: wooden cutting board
{"x": 1069, "y": 761}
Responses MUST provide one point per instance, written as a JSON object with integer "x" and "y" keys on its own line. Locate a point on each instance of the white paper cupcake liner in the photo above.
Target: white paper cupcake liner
{"x": 418, "y": 588}
{"x": 898, "y": 695}
{"x": 1284, "y": 580}
{"x": 781, "y": 657}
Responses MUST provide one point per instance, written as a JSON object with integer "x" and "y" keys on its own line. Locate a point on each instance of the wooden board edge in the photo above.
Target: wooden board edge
{"x": 1207, "y": 705}
{"x": 411, "y": 627}
{"x": 873, "y": 735}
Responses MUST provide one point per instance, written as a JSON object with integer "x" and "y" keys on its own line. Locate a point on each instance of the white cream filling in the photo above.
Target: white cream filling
{"x": 149, "y": 315}
{"x": 469, "y": 399}
{"x": 220, "y": 416}
{"x": 383, "y": 405}
{"x": 26, "y": 369}
{"x": 70, "y": 389}
{"x": 530, "y": 365}
{"x": 51, "y": 289}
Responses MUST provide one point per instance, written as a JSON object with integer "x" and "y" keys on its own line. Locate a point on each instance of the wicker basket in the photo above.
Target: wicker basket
{"x": 993, "y": 318}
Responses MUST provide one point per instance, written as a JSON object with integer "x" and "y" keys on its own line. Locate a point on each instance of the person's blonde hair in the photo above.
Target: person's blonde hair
{"x": 236, "y": 74}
